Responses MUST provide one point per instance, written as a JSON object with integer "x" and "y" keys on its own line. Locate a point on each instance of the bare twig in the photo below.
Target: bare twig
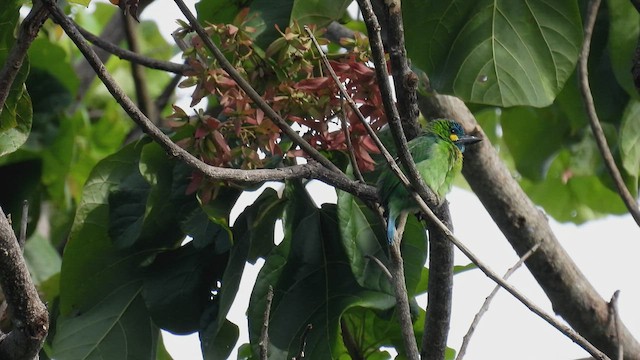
{"x": 145, "y": 104}
{"x": 28, "y": 313}
{"x": 381, "y": 265}
{"x": 487, "y": 302}
{"x": 264, "y": 335}
{"x": 133, "y": 56}
{"x": 28, "y": 32}
{"x": 310, "y": 170}
{"x": 251, "y": 92}
{"x": 303, "y": 343}
{"x": 617, "y": 323}
{"x": 400, "y": 290}
{"x": 22, "y": 238}
{"x": 347, "y": 137}
{"x": 596, "y": 128}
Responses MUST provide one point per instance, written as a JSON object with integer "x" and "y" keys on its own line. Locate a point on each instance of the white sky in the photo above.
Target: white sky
{"x": 508, "y": 330}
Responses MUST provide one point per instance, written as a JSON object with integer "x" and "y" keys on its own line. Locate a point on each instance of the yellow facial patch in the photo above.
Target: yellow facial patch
{"x": 453, "y": 137}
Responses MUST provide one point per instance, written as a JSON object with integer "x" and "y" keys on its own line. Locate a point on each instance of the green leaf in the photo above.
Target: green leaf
{"x": 533, "y": 137}
{"x": 206, "y": 231}
{"x": 630, "y": 138}
{"x": 42, "y": 259}
{"x": 312, "y": 283}
{"x": 92, "y": 267}
{"x": 223, "y": 344}
{"x": 16, "y": 113}
{"x": 501, "y": 53}
{"x": 42, "y": 51}
{"x": 318, "y": 12}
{"x": 567, "y": 194}
{"x": 178, "y": 285}
{"x": 624, "y": 28}
{"x": 244, "y": 233}
{"x": 363, "y": 235}
{"x": 117, "y": 327}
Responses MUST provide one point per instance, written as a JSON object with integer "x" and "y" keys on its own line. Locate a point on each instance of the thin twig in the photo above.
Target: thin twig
{"x": 596, "y": 128}
{"x": 133, "y": 56}
{"x": 352, "y": 104}
{"x": 381, "y": 265}
{"x": 145, "y": 104}
{"x": 22, "y": 239}
{"x": 487, "y": 302}
{"x": 400, "y": 290}
{"x": 310, "y": 170}
{"x": 251, "y": 92}
{"x": 614, "y": 313}
{"x": 264, "y": 336}
{"x": 303, "y": 343}
{"x": 347, "y": 136}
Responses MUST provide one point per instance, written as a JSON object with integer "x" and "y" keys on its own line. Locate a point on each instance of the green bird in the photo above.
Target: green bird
{"x": 437, "y": 153}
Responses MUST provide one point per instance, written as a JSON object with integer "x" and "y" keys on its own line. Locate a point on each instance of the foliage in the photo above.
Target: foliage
{"x": 122, "y": 212}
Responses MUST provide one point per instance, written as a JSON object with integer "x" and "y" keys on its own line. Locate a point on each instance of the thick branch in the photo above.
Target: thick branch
{"x": 524, "y": 226}
{"x": 311, "y": 170}
{"x": 440, "y": 291}
{"x": 596, "y": 128}
{"x": 28, "y": 313}
{"x": 28, "y": 32}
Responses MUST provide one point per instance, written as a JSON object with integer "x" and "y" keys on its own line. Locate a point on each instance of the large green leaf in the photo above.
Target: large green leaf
{"x": 92, "y": 267}
{"x": 117, "y": 327}
{"x": 363, "y": 235}
{"x": 624, "y": 28}
{"x": 495, "y": 52}
{"x": 178, "y": 285}
{"x": 312, "y": 282}
{"x": 247, "y": 229}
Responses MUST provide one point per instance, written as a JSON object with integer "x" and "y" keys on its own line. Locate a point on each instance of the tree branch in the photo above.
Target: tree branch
{"x": 596, "y": 128}
{"x": 264, "y": 335}
{"x": 28, "y": 314}
{"x": 524, "y": 225}
{"x": 487, "y": 302}
{"x": 440, "y": 289}
{"x": 400, "y": 290}
{"x": 251, "y": 92}
{"x": 133, "y": 56}
{"x": 145, "y": 104}
{"x": 310, "y": 170}
{"x": 28, "y": 31}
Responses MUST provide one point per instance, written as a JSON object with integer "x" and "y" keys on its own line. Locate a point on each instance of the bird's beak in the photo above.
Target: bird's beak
{"x": 467, "y": 140}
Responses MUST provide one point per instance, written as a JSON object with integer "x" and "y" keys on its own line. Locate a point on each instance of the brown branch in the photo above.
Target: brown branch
{"x": 485, "y": 305}
{"x": 28, "y": 314}
{"x": 596, "y": 128}
{"x": 310, "y": 170}
{"x": 440, "y": 289}
{"x": 28, "y": 31}
{"x": 400, "y": 290}
{"x": 133, "y": 56}
{"x": 303, "y": 343}
{"x": 524, "y": 225}
{"x": 251, "y": 92}
{"x": 264, "y": 335}
{"x": 347, "y": 137}
{"x": 145, "y": 104}
{"x": 617, "y": 323}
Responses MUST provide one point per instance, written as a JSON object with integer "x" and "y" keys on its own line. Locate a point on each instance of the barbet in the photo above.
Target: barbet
{"x": 437, "y": 153}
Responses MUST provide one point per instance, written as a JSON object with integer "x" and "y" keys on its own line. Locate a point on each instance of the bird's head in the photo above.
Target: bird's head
{"x": 453, "y": 131}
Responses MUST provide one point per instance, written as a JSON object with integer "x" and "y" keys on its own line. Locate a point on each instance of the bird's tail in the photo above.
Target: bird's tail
{"x": 391, "y": 228}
